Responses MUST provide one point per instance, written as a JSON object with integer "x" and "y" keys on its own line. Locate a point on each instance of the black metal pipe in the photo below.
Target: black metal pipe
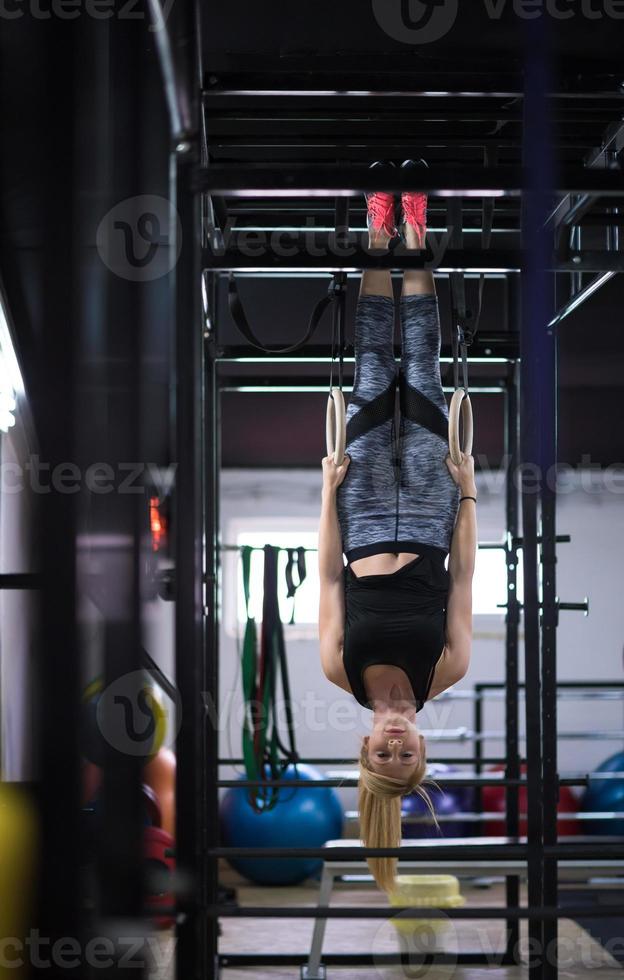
{"x": 344, "y": 783}
{"x": 575, "y": 685}
{"x": 212, "y": 571}
{"x": 330, "y": 181}
{"x": 550, "y": 605}
{"x": 240, "y": 382}
{"x": 21, "y": 580}
{"x": 537, "y": 913}
{"x": 606, "y": 849}
{"x": 56, "y": 676}
{"x": 193, "y": 935}
{"x": 512, "y": 618}
{"x": 494, "y": 262}
{"x": 120, "y": 97}
{"x": 487, "y": 344}
{"x": 407, "y": 852}
{"x": 233, "y": 960}
{"x": 439, "y": 760}
{"x": 540, "y": 183}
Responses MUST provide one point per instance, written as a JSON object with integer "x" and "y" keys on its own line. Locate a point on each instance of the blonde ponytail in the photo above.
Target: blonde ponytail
{"x": 380, "y": 813}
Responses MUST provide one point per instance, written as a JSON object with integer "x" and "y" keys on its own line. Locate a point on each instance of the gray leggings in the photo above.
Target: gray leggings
{"x": 398, "y": 494}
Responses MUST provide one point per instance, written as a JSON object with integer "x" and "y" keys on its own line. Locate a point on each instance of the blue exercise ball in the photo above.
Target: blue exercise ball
{"x": 605, "y": 796}
{"x": 446, "y": 802}
{"x": 302, "y": 818}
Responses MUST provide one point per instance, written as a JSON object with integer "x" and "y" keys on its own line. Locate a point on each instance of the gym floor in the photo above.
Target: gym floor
{"x": 580, "y": 956}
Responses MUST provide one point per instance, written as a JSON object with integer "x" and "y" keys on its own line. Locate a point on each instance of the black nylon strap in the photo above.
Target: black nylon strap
{"x": 372, "y": 413}
{"x": 301, "y": 570}
{"x": 240, "y": 319}
{"x": 465, "y": 326}
{"x": 338, "y": 289}
{"x": 418, "y": 408}
{"x": 276, "y": 654}
{"x": 490, "y": 159}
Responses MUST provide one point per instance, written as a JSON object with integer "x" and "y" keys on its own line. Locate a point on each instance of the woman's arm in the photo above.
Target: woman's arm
{"x": 331, "y": 565}
{"x": 331, "y": 571}
{"x": 461, "y": 571}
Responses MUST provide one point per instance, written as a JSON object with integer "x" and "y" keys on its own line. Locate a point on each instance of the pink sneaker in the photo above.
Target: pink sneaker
{"x": 414, "y": 203}
{"x": 381, "y": 207}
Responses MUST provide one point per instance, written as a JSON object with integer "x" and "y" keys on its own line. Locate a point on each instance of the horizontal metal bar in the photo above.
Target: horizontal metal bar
{"x": 271, "y": 258}
{"x": 233, "y": 960}
{"x": 447, "y": 780}
{"x": 494, "y": 262}
{"x": 487, "y": 545}
{"x": 236, "y": 78}
{"x": 564, "y": 606}
{"x": 348, "y": 780}
{"x": 262, "y": 92}
{"x": 560, "y": 539}
{"x": 324, "y": 112}
{"x": 487, "y": 348}
{"x": 434, "y": 760}
{"x": 471, "y": 817}
{"x": 21, "y": 580}
{"x": 251, "y": 384}
{"x": 418, "y": 912}
{"x": 609, "y": 847}
{"x": 444, "y": 181}
{"x": 569, "y": 685}
{"x": 495, "y": 695}
{"x": 457, "y": 778}
{"x": 465, "y": 851}
{"x": 286, "y": 274}
{"x": 461, "y": 850}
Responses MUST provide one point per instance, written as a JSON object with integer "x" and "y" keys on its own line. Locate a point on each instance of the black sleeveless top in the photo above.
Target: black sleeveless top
{"x": 397, "y": 619}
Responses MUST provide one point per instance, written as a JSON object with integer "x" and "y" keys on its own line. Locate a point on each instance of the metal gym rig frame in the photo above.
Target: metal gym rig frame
{"x": 534, "y": 441}
{"x": 196, "y": 100}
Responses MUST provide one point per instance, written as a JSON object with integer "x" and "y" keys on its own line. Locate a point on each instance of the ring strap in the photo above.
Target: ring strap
{"x": 240, "y": 318}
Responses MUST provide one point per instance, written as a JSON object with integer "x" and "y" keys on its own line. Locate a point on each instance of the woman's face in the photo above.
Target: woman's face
{"x": 395, "y": 746}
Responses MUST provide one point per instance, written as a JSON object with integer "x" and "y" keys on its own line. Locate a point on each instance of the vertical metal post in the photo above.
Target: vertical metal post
{"x": 120, "y": 859}
{"x": 53, "y": 397}
{"x": 576, "y": 240}
{"x": 536, "y": 394}
{"x": 212, "y": 571}
{"x": 549, "y": 633}
{"x": 477, "y": 727}
{"x": 193, "y": 938}
{"x": 512, "y": 619}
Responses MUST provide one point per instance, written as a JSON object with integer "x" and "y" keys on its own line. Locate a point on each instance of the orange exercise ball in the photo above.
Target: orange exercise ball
{"x": 160, "y": 774}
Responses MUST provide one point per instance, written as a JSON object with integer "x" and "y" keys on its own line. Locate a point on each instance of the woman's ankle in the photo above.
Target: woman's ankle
{"x": 378, "y": 241}
{"x": 415, "y": 237}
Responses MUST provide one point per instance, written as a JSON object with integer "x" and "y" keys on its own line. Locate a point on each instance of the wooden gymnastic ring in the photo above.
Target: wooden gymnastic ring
{"x": 336, "y": 426}
{"x": 460, "y": 402}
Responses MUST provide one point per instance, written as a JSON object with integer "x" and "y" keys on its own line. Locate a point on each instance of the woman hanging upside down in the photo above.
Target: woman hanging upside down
{"x": 395, "y": 626}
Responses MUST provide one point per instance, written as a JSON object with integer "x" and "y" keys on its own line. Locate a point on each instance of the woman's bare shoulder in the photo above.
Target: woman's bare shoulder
{"x": 447, "y": 672}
